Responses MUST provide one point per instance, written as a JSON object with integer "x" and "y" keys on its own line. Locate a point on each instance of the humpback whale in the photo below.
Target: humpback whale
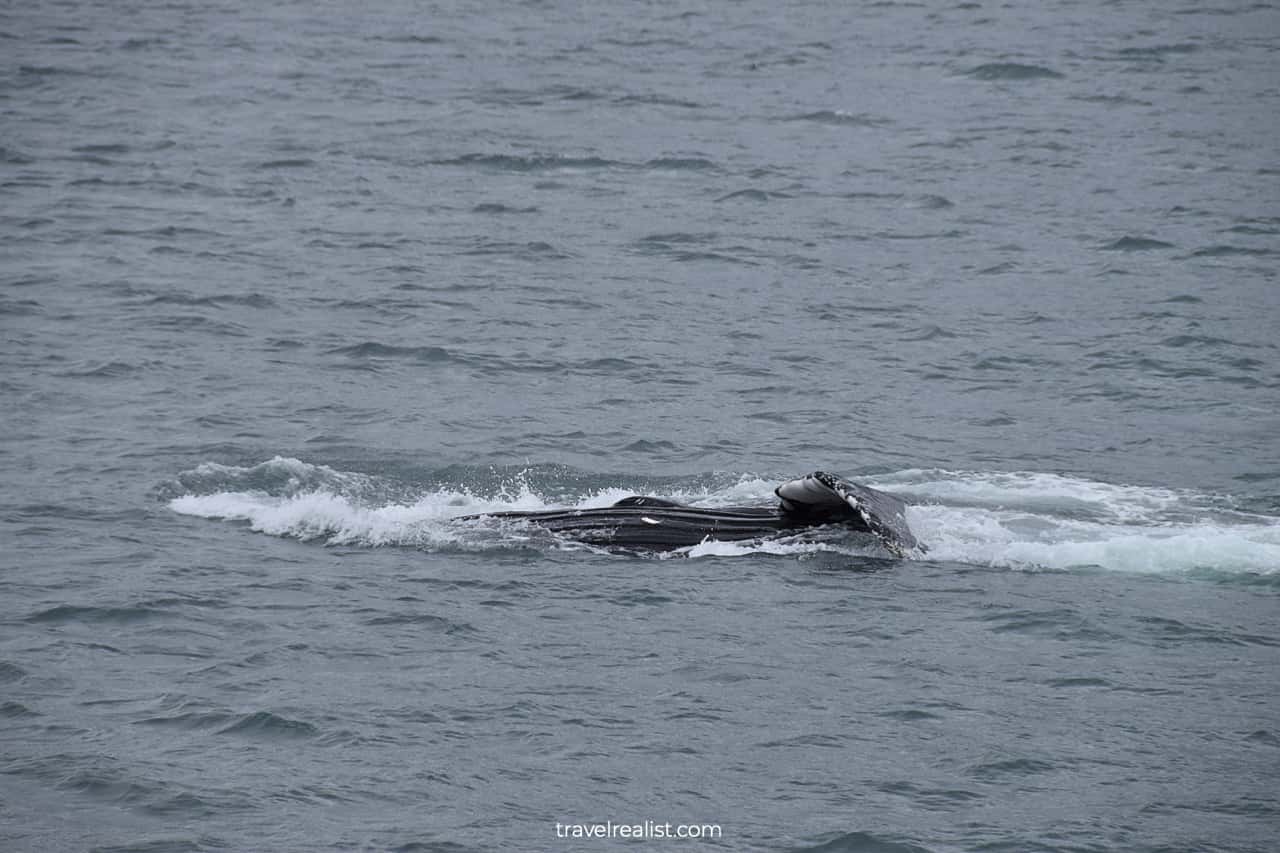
{"x": 651, "y": 523}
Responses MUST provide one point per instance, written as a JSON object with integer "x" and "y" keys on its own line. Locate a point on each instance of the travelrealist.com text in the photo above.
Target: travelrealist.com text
{"x": 642, "y": 830}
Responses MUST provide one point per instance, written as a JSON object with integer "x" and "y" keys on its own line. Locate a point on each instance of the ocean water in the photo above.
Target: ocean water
{"x": 288, "y": 288}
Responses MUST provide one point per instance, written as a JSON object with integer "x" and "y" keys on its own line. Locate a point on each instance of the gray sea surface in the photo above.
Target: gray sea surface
{"x": 288, "y": 288}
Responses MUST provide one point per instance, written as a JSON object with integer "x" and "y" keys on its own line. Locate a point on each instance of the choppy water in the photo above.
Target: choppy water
{"x": 288, "y": 288}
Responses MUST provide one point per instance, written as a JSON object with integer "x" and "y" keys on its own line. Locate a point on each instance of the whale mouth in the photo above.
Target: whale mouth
{"x": 817, "y": 500}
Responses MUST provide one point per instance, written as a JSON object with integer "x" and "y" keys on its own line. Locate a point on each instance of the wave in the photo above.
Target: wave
{"x": 1136, "y": 244}
{"x": 1011, "y": 520}
{"x": 1224, "y": 251}
{"x": 841, "y": 118}
{"x": 538, "y": 163}
{"x": 531, "y": 163}
{"x": 1012, "y": 71}
{"x": 220, "y": 300}
{"x": 1157, "y": 52}
{"x": 753, "y": 194}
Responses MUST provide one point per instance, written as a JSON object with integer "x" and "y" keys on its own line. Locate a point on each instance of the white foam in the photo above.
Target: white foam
{"x": 324, "y": 515}
{"x": 317, "y": 502}
{"x": 286, "y": 464}
{"x": 1033, "y": 490}
{"x": 1020, "y": 540}
{"x": 776, "y": 547}
{"x": 747, "y": 491}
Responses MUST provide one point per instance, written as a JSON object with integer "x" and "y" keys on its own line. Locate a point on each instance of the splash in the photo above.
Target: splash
{"x": 291, "y": 498}
{"x": 1023, "y": 540}
{"x": 1033, "y": 520}
{"x": 1014, "y": 520}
